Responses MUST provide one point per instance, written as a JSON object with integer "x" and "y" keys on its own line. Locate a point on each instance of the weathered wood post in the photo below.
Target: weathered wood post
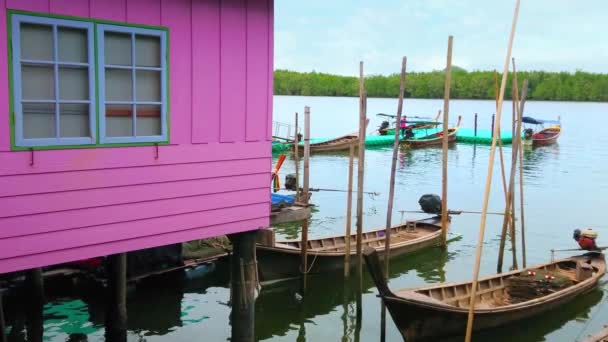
{"x": 492, "y": 128}
{"x": 391, "y": 195}
{"x": 349, "y": 205}
{"x": 304, "y": 242}
{"x": 360, "y": 175}
{"x": 2, "y": 321}
{"x": 34, "y": 302}
{"x": 475, "y": 129}
{"x": 444, "y": 168}
{"x": 296, "y": 157}
{"x": 243, "y": 286}
{"x": 482, "y": 224}
{"x": 116, "y": 313}
{"x": 521, "y": 182}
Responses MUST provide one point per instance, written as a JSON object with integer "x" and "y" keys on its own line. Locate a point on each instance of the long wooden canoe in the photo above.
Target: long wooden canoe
{"x": 441, "y": 310}
{"x": 545, "y": 136}
{"x": 413, "y": 126}
{"x": 338, "y": 144}
{"x": 435, "y": 139}
{"x": 281, "y": 259}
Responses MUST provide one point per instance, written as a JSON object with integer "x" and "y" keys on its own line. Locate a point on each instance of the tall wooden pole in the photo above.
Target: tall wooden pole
{"x": 360, "y": 175}
{"x": 116, "y": 314}
{"x": 444, "y": 168}
{"x": 2, "y": 321}
{"x": 296, "y": 157}
{"x": 243, "y": 285}
{"x": 482, "y": 224}
{"x": 304, "y": 243}
{"x": 521, "y": 182}
{"x": 349, "y": 205}
{"x": 498, "y": 132}
{"x": 391, "y": 194}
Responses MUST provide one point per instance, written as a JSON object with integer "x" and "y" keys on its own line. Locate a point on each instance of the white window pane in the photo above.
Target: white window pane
{"x": 37, "y": 82}
{"x": 73, "y": 83}
{"x": 148, "y": 85}
{"x": 119, "y": 85}
{"x": 119, "y": 120}
{"x": 72, "y": 45}
{"x": 147, "y": 51}
{"x": 74, "y": 120}
{"x": 36, "y": 42}
{"x": 118, "y": 48}
{"x": 148, "y": 120}
{"x": 38, "y": 120}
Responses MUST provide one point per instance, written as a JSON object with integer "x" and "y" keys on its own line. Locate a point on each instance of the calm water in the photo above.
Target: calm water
{"x": 564, "y": 188}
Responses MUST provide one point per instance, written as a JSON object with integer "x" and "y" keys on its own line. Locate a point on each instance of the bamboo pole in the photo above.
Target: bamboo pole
{"x": 498, "y": 131}
{"x": 520, "y": 111}
{"x": 360, "y": 175}
{"x": 296, "y": 157}
{"x": 444, "y": 167}
{"x": 349, "y": 205}
{"x": 508, "y": 225}
{"x": 304, "y": 244}
{"x": 391, "y": 195}
{"x": 482, "y": 224}
{"x": 521, "y": 186}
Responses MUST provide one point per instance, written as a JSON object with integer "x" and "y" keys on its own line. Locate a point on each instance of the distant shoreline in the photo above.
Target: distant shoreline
{"x": 476, "y": 85}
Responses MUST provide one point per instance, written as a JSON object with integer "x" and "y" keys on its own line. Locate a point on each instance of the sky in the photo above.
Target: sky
{"x": 332, "y": 36}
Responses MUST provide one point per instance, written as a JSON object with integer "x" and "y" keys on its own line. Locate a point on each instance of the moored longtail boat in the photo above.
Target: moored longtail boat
{"x": 417, "y": 123}
{"x": 435, "y": 139}
{"x": 441, "y": 310}
{"x": 337, "y": 144}
{"x": 281, "y": 259}
{"x": 545, "y": 136}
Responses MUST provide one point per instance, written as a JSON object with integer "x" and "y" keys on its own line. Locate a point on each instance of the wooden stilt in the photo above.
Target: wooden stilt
{"x": 391, "y": 194}
{"x": 34, "y": 300}
{"x": 116, "y": 313}
{"x": 360, "y": 175}
{"x": 305, "y": 194}
{"x": 349, "y": 205}
{"x": 296, "y": 157}
{"x": 521, "y": 178}
{"x": 243, "y": 286}
{"x": 2, "y": 321}
{"x": 498, "y": 130}
{"x": 482, "y": 225}
{"x": 444, "y": 168}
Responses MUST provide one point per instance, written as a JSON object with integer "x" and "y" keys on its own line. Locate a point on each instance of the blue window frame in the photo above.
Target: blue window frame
{"x": 53, "y": 81}
{"x": 132, "y": 69}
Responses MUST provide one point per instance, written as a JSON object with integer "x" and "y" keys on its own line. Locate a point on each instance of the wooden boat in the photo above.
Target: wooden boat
{"x": 338, "y": 144}
{"x": 545, "y": 136}
{"x": 441, "y": 310}
{"x": 426, "y": 123}
{"x": 281, "y": 259}
{"x": 600, "y": 336}
{"x": 435, "y": 139}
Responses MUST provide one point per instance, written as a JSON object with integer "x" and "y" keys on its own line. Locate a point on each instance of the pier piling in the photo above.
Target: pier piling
{"x": 34, "y": 302}
{"x": 2, "y": 321}
{"x": 116, "y": 313}
{"x": 444, "y": 166}
{"x": 305, "y": 194}
{"x": 360, "y": 175}
{"x": 475, "y": 127}
{"x": 243, "y": 285}
{"x": 349, "y": 205}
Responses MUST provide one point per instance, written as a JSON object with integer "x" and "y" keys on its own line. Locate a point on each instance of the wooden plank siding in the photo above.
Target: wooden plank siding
{"x": 212, "y": 179}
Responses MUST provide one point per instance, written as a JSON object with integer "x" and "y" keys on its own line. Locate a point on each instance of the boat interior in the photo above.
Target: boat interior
{"x": 506, "y": 290}
{"x": 376, "y": 239}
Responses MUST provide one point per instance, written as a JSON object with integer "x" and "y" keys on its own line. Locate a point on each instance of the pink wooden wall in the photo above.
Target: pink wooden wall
{"x": 214, "y": 177}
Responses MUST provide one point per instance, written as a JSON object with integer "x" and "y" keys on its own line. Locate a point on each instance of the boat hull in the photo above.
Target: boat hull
{"x": 417, "y": 143}
{"x": 547, "y": 136}
{"x": 275, "y": 262}
{"x": 342, "y": 144}
{"x": 419, "y": 318}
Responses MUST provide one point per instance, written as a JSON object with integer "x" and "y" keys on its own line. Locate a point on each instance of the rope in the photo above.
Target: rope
{"x": 311, "y": 265}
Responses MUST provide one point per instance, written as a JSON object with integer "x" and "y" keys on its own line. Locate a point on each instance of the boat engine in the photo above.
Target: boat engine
{"x": 384, "y": 125}
{"x": 290, "y": 182}
{"x": 586, "y": 239}
{"x": 430, "y": 203}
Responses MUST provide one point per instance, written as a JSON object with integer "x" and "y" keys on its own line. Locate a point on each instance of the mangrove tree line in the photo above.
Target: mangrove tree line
{"x": 558, "y": 86}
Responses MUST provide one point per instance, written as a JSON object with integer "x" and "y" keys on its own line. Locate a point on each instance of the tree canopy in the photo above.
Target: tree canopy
{"x": 558, "y": 86}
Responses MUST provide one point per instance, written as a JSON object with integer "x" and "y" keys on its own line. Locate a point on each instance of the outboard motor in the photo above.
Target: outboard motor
{"x": 430, "y": 203}
{"x": 586, "y": 239}
{"x": 384, "y": 125}
{"x": 290, "y": 182}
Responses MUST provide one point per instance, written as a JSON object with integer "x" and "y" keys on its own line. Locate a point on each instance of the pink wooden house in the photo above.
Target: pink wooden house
{"x": 129, "y": 124}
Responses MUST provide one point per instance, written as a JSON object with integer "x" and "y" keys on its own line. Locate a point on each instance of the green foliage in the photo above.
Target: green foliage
{"x": 562, "y": 86}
